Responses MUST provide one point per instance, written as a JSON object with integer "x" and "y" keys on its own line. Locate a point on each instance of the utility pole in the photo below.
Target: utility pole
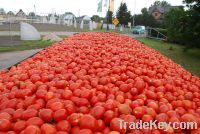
{"x": 134, "y": 13}
{"x": 108, "y": 15}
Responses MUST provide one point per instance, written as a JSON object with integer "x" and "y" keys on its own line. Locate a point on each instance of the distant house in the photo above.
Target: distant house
{"x": 20, "y": 16}
{"x": 69, "y": 18}
{"x": 158, "y": 12}
{"x": 86, "y": 19}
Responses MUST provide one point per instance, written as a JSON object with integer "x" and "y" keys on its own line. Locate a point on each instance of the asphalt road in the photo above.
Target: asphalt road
{"x": 8, "y": 59}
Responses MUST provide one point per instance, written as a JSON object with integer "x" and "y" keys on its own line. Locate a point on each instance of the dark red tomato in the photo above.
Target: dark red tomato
{"x": 60, "y": 114}
{"x": 32, "y": 129}
{"x": 85, "y": 131}
{"x": 88, "y": 122}
{"x": 63, "y": 126}
{"x": 19, "y": 126}
{"x": 29, "y": 113}
{"x": 5, "y": 125}
{"x": 97, "y": 112}
{"x": 48, "y": 129}
{"x": 34, "y": 121}
{"x": 46, "y": 115}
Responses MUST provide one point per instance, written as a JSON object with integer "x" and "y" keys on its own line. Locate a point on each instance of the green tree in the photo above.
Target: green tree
{"x": 160, "y": 4}
{"x": 2, "y": 11}
{"x": 173, "y": 20}
{"x": 123, "y": 14}
{"x": 109, "y": 17}
{"x": 145, "y": 19}
{"x": 96, "y": 18}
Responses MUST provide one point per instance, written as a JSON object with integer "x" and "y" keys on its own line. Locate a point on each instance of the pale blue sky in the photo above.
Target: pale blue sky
{"x": 86, "y": 7}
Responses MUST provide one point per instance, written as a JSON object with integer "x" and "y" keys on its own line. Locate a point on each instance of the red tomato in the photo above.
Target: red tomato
{"x": 5, "y": 125}
{"x": 124, "y": 109}
{"x": 34, "y": 121}
{"x": 19, "y": 126}
{"x": 48, "y": 129}
{"x": 46, "y": 115}
{"x": 60, "y": 114}
{"x": 32, "y": 129}
{"x": 98, "y": 112}
{"x": 84, "y": 131}
{"x": 74, "y": 119}
{"x": 88, "y": 122}
{"x": 63, "y": 126}
{"x": 29, "y": 113}
{"x": 56, "y": 106}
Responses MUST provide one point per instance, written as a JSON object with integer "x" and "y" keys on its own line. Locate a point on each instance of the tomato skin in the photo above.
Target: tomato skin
{"x": 48, "y": 129}
{"x": 63, "y": 126}
{"x": 98, "y": 112}
{"x": 29, "y": 113}
{"x": 74, "y": 119}
{"x": 5, "y": 115}
{"x": 108, "y": 116}
{"x": 88, "y": 122}
{"x": 19, "y": 126}
{"x": 5, "y": 125}
{"x": 60, "y": 114}
{"x": 56, "y": 106}
{"x": 85, "y": 131}
{"x": 32, "y": 129}
{"x": 46, "y": 115}
{"x": 34, "y": 121}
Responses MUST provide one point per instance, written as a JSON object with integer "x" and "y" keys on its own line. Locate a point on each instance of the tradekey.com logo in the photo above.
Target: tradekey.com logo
{"x": 157, "y": 125}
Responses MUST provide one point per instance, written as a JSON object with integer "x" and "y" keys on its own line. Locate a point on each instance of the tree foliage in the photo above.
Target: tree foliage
{"x": 96, "y": 18}
{"x": 123, "y": 14}
{"x": 161, "y": 4}
{"x": 145, "y": 19}
{"x": 184, "y": 26}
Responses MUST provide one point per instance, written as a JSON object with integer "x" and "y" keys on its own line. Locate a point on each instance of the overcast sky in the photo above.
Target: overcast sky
{"x": 86, "y": 7}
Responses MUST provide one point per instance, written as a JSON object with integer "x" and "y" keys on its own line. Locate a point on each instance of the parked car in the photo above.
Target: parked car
{"x": 138, "y": 30}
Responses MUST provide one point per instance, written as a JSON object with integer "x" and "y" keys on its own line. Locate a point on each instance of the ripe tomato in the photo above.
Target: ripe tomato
{"x": 46, "y": 115}
{"x": 63, "y": 126}
{"x": 19, "y": 126}
{"x": 48, "y": 129}
{"x": 108, "y": 116}
{"x": 34, "y": 121}
{"x": 88, "y": 122}
{"x": 29, "y": 113}
{"x": 5, "y": 125}
{"x": 32, "y": 129}
{"x": 60, "y": 114}
{"x": 98, "y": 112}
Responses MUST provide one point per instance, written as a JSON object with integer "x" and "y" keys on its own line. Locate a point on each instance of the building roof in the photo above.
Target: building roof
{"x": 163, "y": 9}
{"x": 84, "y": 17}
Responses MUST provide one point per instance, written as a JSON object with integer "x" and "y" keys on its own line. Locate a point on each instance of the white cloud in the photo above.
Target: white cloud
{"x": 87, "y": 7}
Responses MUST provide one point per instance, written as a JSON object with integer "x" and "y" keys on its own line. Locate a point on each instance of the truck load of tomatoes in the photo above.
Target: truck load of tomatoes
{"x": 87, "y": 83}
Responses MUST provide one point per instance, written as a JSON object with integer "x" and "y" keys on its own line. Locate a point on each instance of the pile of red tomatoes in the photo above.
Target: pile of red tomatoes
{"x": 86, "y": 83}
